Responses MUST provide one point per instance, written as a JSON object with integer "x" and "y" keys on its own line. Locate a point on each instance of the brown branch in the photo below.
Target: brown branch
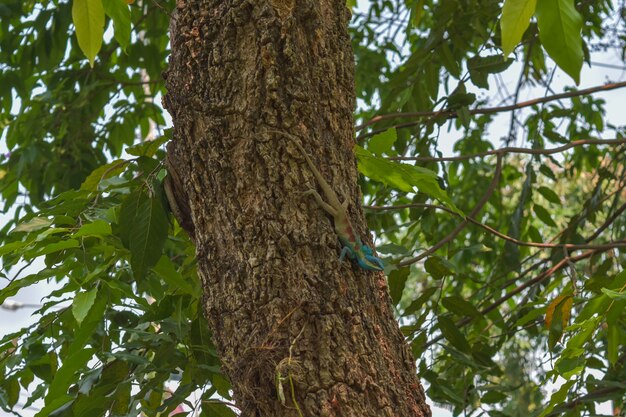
{"x": 461, "y": 226}
{"x": 450, "y": 114}
{"x": 567, "y": 246}
{"x": 513, "y": 149}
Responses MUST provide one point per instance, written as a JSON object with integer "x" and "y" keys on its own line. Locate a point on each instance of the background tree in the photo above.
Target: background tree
{"x": 507, "y": 280}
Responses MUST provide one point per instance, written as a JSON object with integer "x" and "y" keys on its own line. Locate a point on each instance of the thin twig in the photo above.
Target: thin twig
{"x": 513, "y": 149}
{"x": 450, "y": 114}
{"x": 472, "y": 220}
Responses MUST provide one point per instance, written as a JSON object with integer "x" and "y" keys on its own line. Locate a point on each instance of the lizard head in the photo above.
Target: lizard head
{"x": 368, "y": 261}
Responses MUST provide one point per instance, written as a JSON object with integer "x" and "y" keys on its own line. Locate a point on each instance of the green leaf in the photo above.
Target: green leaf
{"x": 58, "y": 403}
{"x": 493, "y": 397}
{"x": 147, "y": 148}
{"x": 65, "y": 375}
{"x": 452, "y": 334}
{"x": 549, "y": 195}
{"x": 51, "y": 248}
{"x": 121, "y": 398}
{"x": 82, "y": 304}
{"x": 403, "y": 177}
{"x": 103, "y": 172}
{"x": 459, "y": 306}
{"x": 560, "y": 34}
{"x": 448, "y": 61}
{"x": 532, "y": 315}
{"x": 438, "y": 267}
{"x": 36, "y": 223}
{"x": 543, "y": 215}
{"x": 383, "y": 142}
{"x": 97, "y": 228}
{"x": 221, "y": 384}
{"x": 614, "y": 294}
{"x": 417, "y": 304}
{"x": 14, "y": 286}
{"x": 216, "y": 409}
{"x": 545, "y": 170}
{"x": 91, "y": 321}
{"x": 481, "y": 66}
{"x": 614, "y": 338}
{"x": 397, "y": 281}
{"x": 143, "y": 229}
{"x": 558, "y": 397}
{"x": 12, "y": 388}
{"x": 516, "y": 16}
{"x": 534, "y": 234}
{"x": 12, "y": 247}
{"x": 88, "y": 18}
{"x": 166, "y": 269}
{"x": 119, "y": 12}
{"x": 586, "y": 329}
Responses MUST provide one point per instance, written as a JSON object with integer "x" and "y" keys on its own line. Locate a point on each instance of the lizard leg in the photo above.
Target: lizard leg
{"x": 327, "y": 207}
{"x": 346, "y": 201}
{"x": 345, "y": 251}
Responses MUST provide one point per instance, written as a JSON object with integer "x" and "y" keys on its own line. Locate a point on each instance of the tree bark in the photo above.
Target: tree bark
{"x": 285, "y": 313}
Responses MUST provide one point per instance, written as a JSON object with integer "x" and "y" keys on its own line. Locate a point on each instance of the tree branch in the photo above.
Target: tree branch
{"x": 461, "y": 226}
{"x": 501, "y": 235}
{"x": 451, "y": 114}
{"x": 513, "y": 149}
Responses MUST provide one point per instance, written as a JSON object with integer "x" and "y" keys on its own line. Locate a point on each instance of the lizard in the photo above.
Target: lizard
{"x": 352, "y": 246}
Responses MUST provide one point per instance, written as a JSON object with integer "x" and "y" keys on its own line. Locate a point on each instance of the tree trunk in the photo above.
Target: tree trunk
{"x": 285, "y": 313}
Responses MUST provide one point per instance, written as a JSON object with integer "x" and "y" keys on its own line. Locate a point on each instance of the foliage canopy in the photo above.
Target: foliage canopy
{"x": 504, "y": 264}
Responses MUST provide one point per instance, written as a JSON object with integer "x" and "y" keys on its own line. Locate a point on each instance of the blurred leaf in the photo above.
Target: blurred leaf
{"x": 558, "y": 397}
{"x": 438, "y": 267}
{"x": 119, "y": 12}
{"x": 88, "y": 18}
{"x": 51, "y": 248}
{"x": 103, "y": 172}
{"x": 82, "y": 303}
{"x": 147, "y": 148}
{"x": 166, "y": 269}
{"x": 560, "y": 34}
{"x": 452, "y": 334}
{"x": 397, "y": 281}
{"x": 459, "y": 306}
{"x": 143, "y": 229}
{"x": 549, "y": 195}
{"x": 65, "y": 375}
{"x": 515, "y": 19}
{"x": 97, "y": 228}
{"x": 214, "y": 408}
{"x": 557, "y": 317}
{"x": 417, "y": 304}
{"x": 383, "y": 142}
{"x": 32, "y": 225}
{"x": 614, "y": 294}
{"x": 544, "y": 215}
{"x": 480, "y": 67}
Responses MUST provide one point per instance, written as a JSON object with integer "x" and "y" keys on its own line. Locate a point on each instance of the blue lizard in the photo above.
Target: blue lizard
{"x": 353, "y": 247}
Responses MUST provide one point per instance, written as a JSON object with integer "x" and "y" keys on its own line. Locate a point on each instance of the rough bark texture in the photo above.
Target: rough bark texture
{"x": 268, "y": 258}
